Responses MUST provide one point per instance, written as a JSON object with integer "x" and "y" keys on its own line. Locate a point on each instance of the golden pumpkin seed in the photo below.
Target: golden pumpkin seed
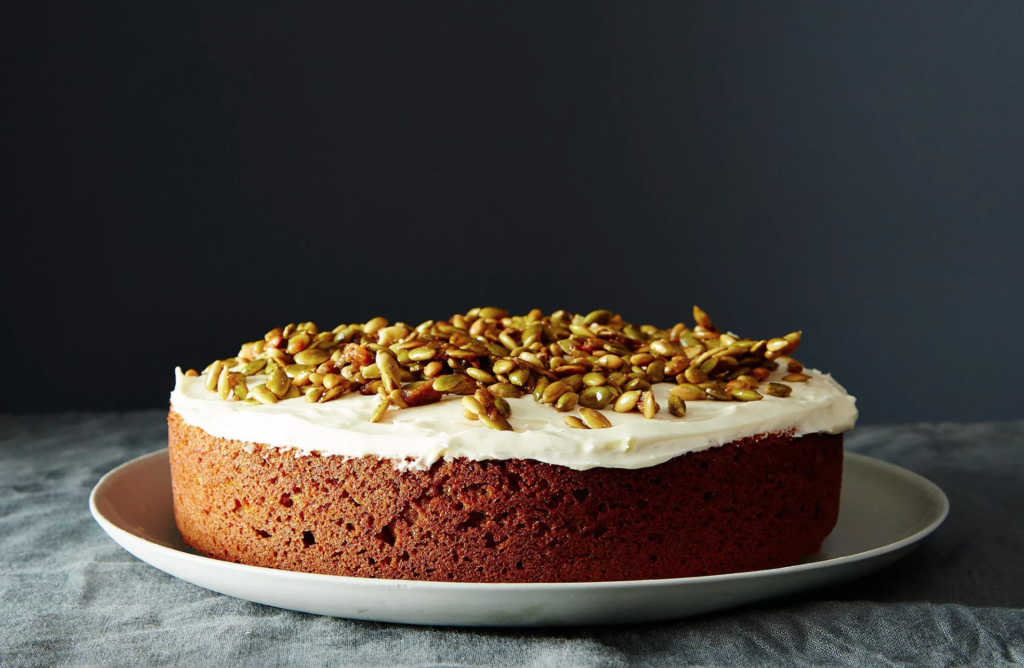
{"x": 718, "y": 394}
{"x": 687, "y": 392}
{"x": 796, "y": 378}
{"x": 594, "y": 419}
{"x": 312, "y": 356}
{"x": 538, "y": 390}
{"x": 278, "y": 383}
{"x": 566, "y": 402}
{"x": 595, "y": 397}
{"x": 447, "y": 383}
{"x": 594, "y": 379}
{"x": 792, "y": 365}
{"x": 332, "y": 380}
{"x": 313, "y": 394}
{"x": 627, "y": 401}
{"x": 553, "y": 391}
{"x": 663, "y": 347}
{"x": 292, "y": 393}
{"x": 493, "y": 313}
{"x": 254, "y": 367}
{"x": 422, "y": 354}
{"x": 471, "y": 404}
{"x": 519, "y": 377}
{"x": 695, "y": 375}
{"x": 496, "y": 422}
{"x": 778, "y": 390}
{"x": 480, "y": 375}
{"x": 238, "y": 386}
{"x": 381, "y": 408}
{"x": 656, "y": 371}
{"x": 676, "y": 406}
{"x": 747, "y": 395}
{"x": 261, "y": 394}
{"x": 504, "y": 390}
{"x": 224, "y": 381}
{"x": 574, "y": 422}
{"x": 777, "y": 344}
{"x": 213, "y": 375}
{"x": 648, "y": 406}
{"x": 701, "y": 318}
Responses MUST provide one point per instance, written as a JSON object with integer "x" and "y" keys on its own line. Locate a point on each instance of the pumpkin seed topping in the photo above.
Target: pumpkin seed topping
{"x": 592, "y": 361}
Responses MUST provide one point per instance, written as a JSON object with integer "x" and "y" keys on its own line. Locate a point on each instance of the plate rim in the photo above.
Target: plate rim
{"x": 120, "y": 536}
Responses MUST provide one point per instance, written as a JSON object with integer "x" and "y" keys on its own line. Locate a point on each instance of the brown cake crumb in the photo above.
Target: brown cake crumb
{"x": 756, "y": 503}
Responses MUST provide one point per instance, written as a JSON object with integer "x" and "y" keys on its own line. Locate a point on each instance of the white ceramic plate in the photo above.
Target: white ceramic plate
{"x": 885, "y": 511}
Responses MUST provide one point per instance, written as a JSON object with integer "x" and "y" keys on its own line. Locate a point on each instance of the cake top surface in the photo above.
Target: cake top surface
{"x": 573, "y": 390}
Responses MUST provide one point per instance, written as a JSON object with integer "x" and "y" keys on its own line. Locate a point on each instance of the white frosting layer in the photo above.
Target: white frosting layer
{"x": 418, "y": 437}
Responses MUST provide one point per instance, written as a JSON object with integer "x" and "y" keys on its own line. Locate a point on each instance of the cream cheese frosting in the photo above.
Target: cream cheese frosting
{"x": 416, "y": 438}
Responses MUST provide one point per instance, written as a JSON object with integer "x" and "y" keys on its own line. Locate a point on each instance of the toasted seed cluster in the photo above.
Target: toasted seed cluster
{"x": 586, "y": 363}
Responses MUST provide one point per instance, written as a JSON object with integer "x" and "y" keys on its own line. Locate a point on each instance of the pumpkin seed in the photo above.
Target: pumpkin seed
{"x": 553, "y": 391}
{"x": 254, "y": 367}
{"x": 313, "y": 394}
{"x": 778, "y": 390}
{"x": 480, "y": 375}
{"x": 695, "y": 375}
{"x": 687, "y": 392}
{"x": 493, "y": 313}
{"x": 656, "y": 371}
{"x": 261, "y": 394}
{"x": 637, "y": 384}
{"x": 519, "y": 377}
{"x": 594, "y": 419}
{"x": 382, "y": 407}
{"x": 213, "y": 375}
{"x": 718, "y": 394}
{"x": 792, "y": 365}
{"x": 595, "y": 397}
{"x": 574, "y": 422}
{"x": 469, "y": 415}
{"x": 292, "y": 392}
{"x": 504, "y": 390}
{"x": 701, "y": 318}
{"x": 663, "y": 347}
{"x": 239, "y": 387}
{"x": 747, "y": 395}
{"x": 496, "y": 422}
{"x": 648, "y": 406}
{"x": 192, "y": 373}
{"x": 796, "y": 378}
{"x": 566, "y": 402}
{"x": 447, "y": 383}
{"x": 332, "y": 380}
{"x": 312, "y": 356}
{"x": 224, "y": 382}
{"x": 278, "y": 383}
{"x": 503, "y": 366}
{"x": 594, "y": 379}
{"x": 471, "y": 404}
{"x": 538, "y": 390}
{"x": 432, "y": 369}
{"x": 627, "y": 401}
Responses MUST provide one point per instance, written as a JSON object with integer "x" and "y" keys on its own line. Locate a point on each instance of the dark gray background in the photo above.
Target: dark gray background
{"x": 181, "y": 177}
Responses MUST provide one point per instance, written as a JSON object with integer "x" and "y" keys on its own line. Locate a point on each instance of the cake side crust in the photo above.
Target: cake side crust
{"x": 752, "y": 504}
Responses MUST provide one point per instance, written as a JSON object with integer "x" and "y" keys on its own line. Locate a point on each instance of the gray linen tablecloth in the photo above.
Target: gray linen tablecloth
{"x": 70, "y": 596}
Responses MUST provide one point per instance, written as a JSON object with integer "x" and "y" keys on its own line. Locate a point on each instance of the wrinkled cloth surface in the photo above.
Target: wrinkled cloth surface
{"x": 70, "y": 596}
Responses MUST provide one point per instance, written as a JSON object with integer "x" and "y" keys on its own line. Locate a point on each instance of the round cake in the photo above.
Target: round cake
{"x": 497, "y": 448}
